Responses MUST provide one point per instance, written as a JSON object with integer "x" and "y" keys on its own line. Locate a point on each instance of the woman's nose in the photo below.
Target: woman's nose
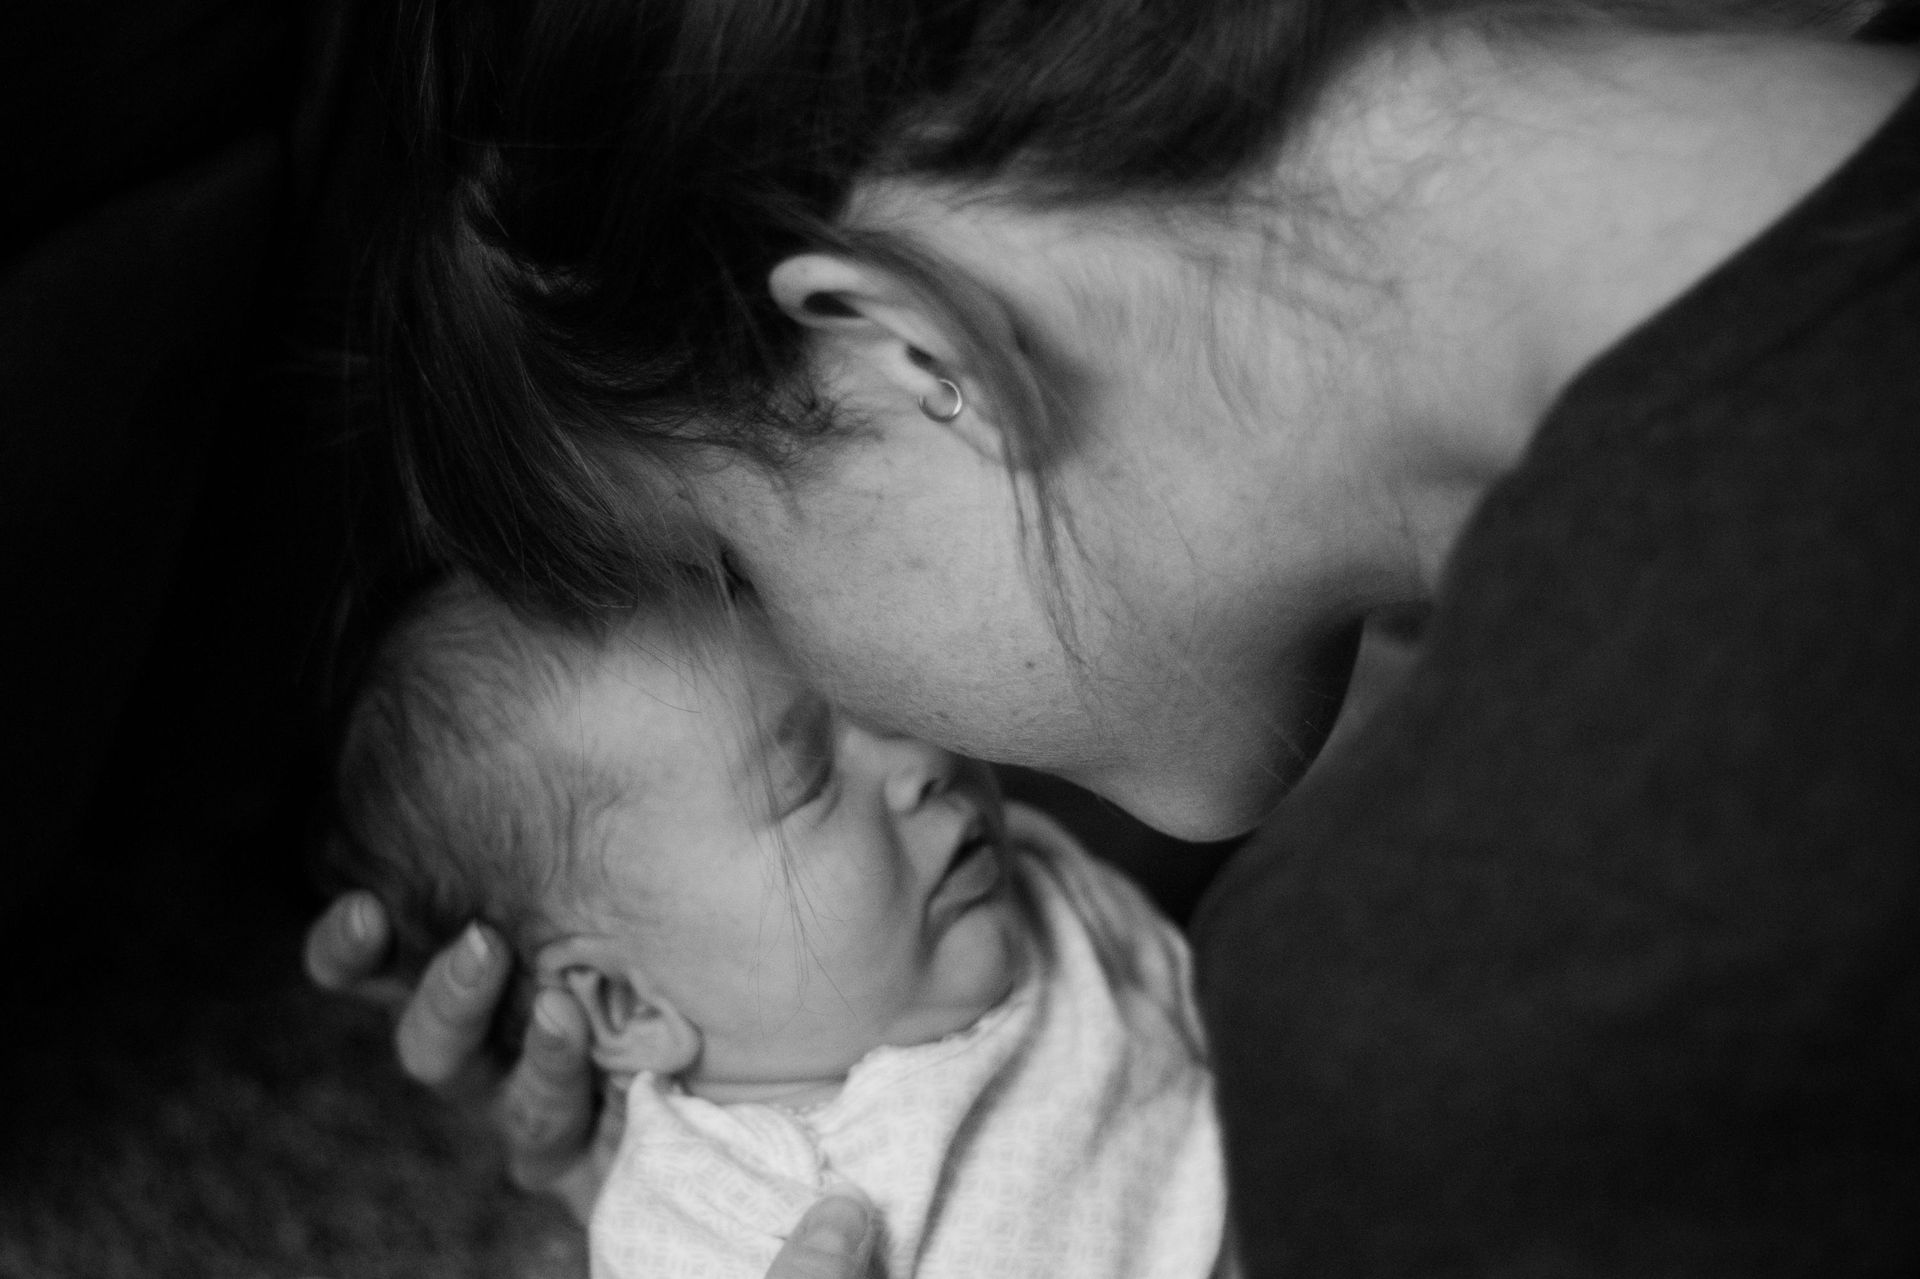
{"x": 913, "y": 771}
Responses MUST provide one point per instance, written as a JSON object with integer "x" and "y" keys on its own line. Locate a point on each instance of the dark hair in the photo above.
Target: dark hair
{"x": 573, "y": 295}
{"x": 451, "y": 803}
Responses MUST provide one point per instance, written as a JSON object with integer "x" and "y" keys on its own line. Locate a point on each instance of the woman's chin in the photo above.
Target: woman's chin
{"x": 1225, "y": 777}
{"x": 1198, "y": 807}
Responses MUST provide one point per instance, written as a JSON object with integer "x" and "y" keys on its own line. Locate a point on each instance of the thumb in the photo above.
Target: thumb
{"x": 833, "y": 1241}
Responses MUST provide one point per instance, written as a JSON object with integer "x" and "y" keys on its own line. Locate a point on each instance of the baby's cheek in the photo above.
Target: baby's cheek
{"x": 878, "y": 959}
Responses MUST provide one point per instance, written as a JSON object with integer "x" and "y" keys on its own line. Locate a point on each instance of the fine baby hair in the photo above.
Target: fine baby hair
{"x": 454, "y": 802}
{"x": 733, "y": 878}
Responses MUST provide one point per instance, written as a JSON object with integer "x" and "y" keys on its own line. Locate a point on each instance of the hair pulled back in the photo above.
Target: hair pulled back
{"x": 572, "y": 296}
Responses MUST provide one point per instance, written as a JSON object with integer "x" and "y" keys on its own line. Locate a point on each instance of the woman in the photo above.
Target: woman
{"x": 1068, "y": 382}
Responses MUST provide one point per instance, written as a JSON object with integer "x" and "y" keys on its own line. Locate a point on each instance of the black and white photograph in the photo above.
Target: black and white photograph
{"x": 960, "y": 639}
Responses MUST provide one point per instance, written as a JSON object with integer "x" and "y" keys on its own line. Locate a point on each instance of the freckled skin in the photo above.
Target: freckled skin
{"x": 893, "y": 569}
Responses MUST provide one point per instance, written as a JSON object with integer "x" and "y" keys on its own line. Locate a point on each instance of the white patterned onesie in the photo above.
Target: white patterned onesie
{"x": 1069, "y": 1132}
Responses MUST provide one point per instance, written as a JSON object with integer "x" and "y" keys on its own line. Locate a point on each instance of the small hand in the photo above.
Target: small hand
{"x": 545, "y": 1106}
{"x": 833, "y": 1241}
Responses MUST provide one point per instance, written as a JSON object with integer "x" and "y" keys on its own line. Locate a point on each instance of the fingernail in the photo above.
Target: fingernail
{"x": 548, "y": 1014}
{"x": 837, "y": 1226}
{"x": 361, "y": 920}
{"x": 470, "y": 961}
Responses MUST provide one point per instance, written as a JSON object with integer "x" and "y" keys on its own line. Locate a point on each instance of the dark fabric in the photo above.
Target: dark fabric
{"x": 1598, "y": 951}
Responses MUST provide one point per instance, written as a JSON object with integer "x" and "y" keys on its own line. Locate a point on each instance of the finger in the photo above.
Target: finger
{"x": 546, "y": 1108}
{"x": 833, "y": 1241}
{"x": 444, "y": 1022}
{"x": 578, "y": 1187}
{"x": 348, "y": 943}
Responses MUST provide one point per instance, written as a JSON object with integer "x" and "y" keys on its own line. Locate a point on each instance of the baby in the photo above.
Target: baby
{"x": 811, "y": 953}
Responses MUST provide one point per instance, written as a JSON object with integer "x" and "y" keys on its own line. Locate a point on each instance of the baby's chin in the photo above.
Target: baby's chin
{"x": 980, "y": 960}
{"x": 976, "y": 965}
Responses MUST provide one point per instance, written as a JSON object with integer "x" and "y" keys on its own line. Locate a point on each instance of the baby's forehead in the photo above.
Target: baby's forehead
{"x": 665, "y": 707}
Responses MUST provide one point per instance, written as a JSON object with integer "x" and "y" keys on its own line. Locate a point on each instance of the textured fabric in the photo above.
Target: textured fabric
{"x": 1069, "y": 1132}
{"x": 1598, "y": 952}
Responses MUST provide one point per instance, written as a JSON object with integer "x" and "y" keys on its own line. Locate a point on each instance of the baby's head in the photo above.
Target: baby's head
{"x": 740, "y": 886}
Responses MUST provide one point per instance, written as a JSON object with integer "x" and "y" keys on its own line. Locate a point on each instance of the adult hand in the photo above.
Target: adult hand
{"x": 833, "y": 1241}
{"x": 545, "y": 1106}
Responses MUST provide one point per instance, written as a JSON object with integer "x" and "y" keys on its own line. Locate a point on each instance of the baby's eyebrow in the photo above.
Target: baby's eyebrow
{"x": 802, "y": 725}
{"x": 798, "y": 735}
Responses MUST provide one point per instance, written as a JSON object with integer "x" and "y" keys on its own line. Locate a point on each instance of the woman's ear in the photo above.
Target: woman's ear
{"x": 634, "y": 1027}
{"x": 886, "y": 335}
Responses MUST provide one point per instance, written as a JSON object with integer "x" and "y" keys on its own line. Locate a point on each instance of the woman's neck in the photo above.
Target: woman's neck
{"x": 1532, "y": 204}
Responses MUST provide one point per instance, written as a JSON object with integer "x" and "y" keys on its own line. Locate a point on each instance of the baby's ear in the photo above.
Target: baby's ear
{"x": 634, "y": 1027}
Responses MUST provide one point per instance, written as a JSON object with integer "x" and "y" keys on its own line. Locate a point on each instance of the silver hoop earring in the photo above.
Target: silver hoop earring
{"x": 959, "y": 403}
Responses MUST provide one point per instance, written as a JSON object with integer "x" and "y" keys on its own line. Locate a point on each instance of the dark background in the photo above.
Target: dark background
{"x": 175, "y": 247}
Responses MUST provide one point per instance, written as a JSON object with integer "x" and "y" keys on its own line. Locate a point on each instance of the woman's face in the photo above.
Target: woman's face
{"x": 1210, "y": 588}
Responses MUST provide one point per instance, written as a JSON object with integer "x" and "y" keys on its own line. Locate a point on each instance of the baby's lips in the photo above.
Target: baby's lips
{"x": 974, "y": 874}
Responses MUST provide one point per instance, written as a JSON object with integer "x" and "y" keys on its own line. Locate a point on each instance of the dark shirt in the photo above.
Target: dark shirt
{"x": 1597, "y": 952}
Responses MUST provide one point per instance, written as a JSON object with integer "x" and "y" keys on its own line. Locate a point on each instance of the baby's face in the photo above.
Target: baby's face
{"x": 807, "y": 889}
